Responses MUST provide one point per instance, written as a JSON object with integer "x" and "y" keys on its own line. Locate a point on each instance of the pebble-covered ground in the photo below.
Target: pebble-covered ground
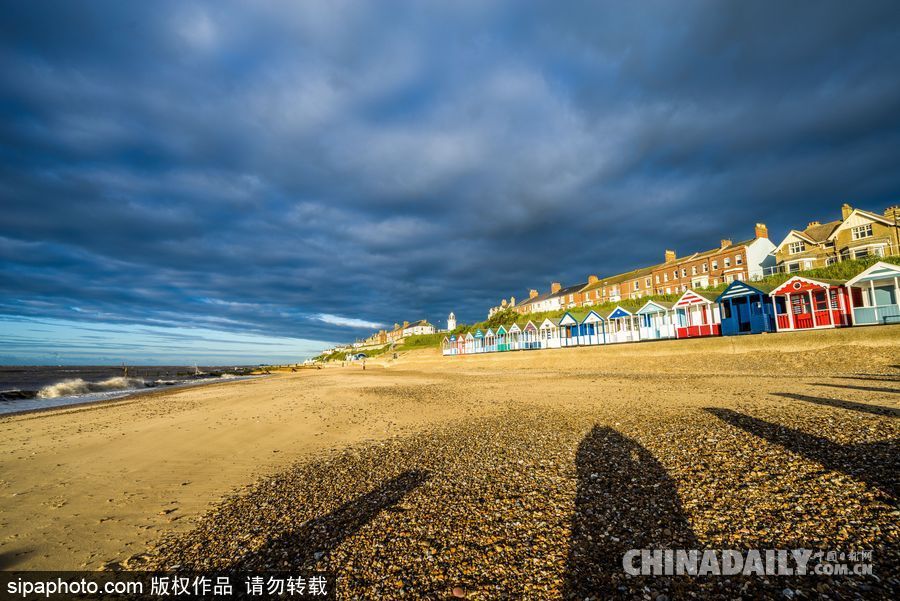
{"x": 541, "y": 499}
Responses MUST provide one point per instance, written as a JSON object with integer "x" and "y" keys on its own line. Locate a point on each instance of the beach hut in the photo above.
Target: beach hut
{"x": 593, "y": 329}
{"x": 479, "y": 341}
{"x": 622, "y": 326}
{"x": 875, "y": 295}
{"x": 549, "y": 332}
{"x": 470, "y": 343}
{"x": 806, "y": 304}
{"x": 657, "y": 320}
{"x": 490, "y": 341}
{"x": 446, "y": 346}
{"x": 569, "y": 326}
{"x": 513, "y": 337}
{"x": 580, "y": 328}
{"x": 746, "y": 309}
{"x": 697, "y": 315}
{"x": 530, "y": 338}
{"x": 461, "y": 344}
{"x": 502, "y": 338}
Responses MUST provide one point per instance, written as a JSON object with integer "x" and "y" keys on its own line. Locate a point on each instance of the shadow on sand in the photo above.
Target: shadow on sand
{"x": 876, "y": 463}
{"x": 850, "y": 405}
{"x": 314, "y": 539}
{"x": 865, "y": 388}
{"x": 624, "y": 500}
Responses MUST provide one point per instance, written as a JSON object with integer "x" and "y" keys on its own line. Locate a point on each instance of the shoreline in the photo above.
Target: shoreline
{"x": 129, "y": 396}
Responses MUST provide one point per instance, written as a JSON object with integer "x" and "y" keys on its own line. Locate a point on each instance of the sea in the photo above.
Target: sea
{"x": 26, "y": 388}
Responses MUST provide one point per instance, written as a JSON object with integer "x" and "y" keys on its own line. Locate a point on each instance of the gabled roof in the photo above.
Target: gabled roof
{"x": 787, "y": 286}
{"x": 740, "y": 288}
{"x": 577, "y": 316}
{"x": 814, "y": 234}
{"x": 619, "y": 313}
{"x": 878, "y": 271}
{"x": 553, "y": 322}
{"x": 860, "y": 212}
{"x": 653, "y": 306}
{"x": 514, "y": 326}
{"x": 524, "y": 324}
{"x": 692, "y": 296}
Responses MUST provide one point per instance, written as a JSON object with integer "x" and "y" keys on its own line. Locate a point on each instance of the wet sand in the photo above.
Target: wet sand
{"x": 739, "y": 432}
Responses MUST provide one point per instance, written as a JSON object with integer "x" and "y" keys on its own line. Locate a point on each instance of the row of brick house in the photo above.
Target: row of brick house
{"x": 857, "y": 234}
{"x": 870, "y": 297}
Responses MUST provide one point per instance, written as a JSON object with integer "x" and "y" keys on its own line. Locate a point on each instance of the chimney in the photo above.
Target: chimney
{"x": 670, "y": 256}
{"x": 813, "y": 224}
{"x": 893, "y": 213}
{"x": 724, "y": 243}
{"x": 846, "y": 209}
{"x": 503, "y": 303}
{"x": 555, "y": 287}
{"x": 761, "y": 231}
{"x": 592, "y": 279}
{"x": 396, "y": 326}
{"x": 532, "y": 293}
{"x": 512, "y": 301}
{"x": 405, "y": 324}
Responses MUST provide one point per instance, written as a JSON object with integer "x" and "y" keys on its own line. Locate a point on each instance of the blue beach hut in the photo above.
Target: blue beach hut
{"x": 746, "y": 309}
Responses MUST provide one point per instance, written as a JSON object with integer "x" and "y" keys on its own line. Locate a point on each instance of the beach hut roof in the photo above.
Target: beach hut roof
{"x": 573, "y": 317}
{"x": 878, "y": 271}
{"x": 692, "y": 297}
{"x": 502, "y": 327}
{"x": 740, "y": 288}
{"x": 550, "y": 321}
{"x": 654, "y": 306}
{"x": 797, "y": 282}
{"x": 619, "y": 313}
{"x": 514, "y": 326}
{"x": 524, "y": 325}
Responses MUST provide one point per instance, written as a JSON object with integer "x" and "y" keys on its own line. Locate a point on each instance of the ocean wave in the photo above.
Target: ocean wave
{"x": 76, "y": 386}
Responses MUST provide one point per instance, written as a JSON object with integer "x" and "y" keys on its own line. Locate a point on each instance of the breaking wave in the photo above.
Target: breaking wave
{"x": 78, "y": 386}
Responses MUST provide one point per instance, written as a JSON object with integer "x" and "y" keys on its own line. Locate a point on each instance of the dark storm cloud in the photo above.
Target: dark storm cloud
{"x": 278, "y": 167}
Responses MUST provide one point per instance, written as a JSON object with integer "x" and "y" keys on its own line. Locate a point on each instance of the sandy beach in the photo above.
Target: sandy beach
{"x": 511, "y": 474}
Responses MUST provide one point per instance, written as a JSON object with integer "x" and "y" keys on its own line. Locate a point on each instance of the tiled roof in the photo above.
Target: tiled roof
{"x": 821, "y": 232}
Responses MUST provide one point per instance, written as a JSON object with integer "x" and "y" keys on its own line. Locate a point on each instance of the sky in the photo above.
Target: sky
{"x": 257, "y": 180}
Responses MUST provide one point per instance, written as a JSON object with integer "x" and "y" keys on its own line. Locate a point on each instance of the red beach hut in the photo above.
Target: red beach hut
{"x": 805, "y": 304}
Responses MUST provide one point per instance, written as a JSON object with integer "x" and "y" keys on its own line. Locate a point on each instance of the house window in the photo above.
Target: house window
{"x": 739, "y": 259}
{"x": 727, "y": 261}
{"x": 830, "y": 260}
{"x": 705, "y": 267}
{"x": 862, "y": 231}
{"x": 796, "y": 247}
{"x": 715, "y": 265}
{"x": 793, "y": 267}
{"x": 684, "y": 272}
{"x": 657, "y": 278}
{"x": 693, "y": 270}
{"x": 647, "y": 283}
{"x": 636, "y": 285}
{"x": 862, "y": 252}
{"x": 665, "y": 277}
{"x": 675, "y": 275}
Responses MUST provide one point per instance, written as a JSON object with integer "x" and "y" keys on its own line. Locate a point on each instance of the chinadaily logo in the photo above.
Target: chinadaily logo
{"x": 753, "y": 562}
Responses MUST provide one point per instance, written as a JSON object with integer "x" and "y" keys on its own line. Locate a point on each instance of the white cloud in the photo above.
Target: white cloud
{"x": 346, "y": 322}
